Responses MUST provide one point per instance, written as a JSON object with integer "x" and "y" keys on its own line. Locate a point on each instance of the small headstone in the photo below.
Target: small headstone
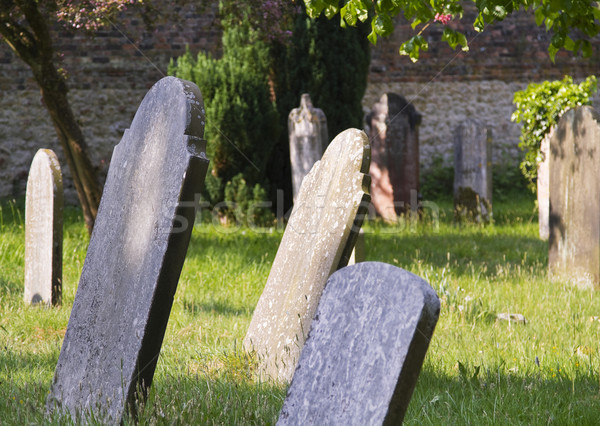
{"x": 574, "y": 243}
{"x": 365, "y": 349}
{"x": 394, "y": 136}
{"x": 44, "y": 230}
{"x": 543, "y": 186}
{"x": 307, "y": 127}
{"x": 472, "y": 171}
{"x": 318, "y": 240}
{"x": 135, "y": 256}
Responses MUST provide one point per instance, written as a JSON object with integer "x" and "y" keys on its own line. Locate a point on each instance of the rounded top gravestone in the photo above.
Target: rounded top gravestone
{"x": 365, "y": 348}
{"x": 135, "y": 255}
{"x": 43, "y": 230}
{"x": 319, "y": 239}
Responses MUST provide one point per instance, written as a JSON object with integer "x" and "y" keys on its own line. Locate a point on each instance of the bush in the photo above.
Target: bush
{"x": 242, "y": 123}
{"x": 330, "y": 63}
{"x": 539, "y": 107}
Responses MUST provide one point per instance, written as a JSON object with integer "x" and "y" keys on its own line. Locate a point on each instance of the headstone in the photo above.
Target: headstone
{"x": 44, "y": 230}
{"x": 319, "y": 238}
{"x": 472, "y": 171}
{"x": 307, "y": 127}
{"x": 574, "y": 243}
{"x": 393, "y": 126}
{"x": 543, "y": 186}
{"x": 135, "y": 256}
{"x": 365, "y": 348}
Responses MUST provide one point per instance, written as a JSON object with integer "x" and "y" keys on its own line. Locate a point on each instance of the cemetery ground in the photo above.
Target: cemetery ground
{"x": 479, "y": 369}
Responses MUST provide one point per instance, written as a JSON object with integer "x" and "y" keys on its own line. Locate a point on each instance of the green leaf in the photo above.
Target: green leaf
{"x": 383, "y": 24}
{"x": 348, "y": 13}
{"x": 586, "y": 48}
{"x": 314, "y": 7}
{"x": 330, "y": 11}
{"x": 462, "y": 40}
{"x": 372, "y": 37}
{"x": 539, "y": 16}
{"x": 413, "y": 46}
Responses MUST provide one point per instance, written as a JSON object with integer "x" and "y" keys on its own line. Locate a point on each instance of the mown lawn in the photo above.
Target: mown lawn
{"x": 479, "y": 370}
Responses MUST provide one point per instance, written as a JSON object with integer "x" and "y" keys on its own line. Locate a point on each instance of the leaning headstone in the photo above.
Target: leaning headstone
{"x": 543, "y": 186}
{"x": 574, "y": 244}
{"x": 472, "y": 171}
{"x": 135, "y": 256}
{"x": 393, "y": 127}
{"x": 318, "y": 240}
{"x": 365, "y": 348}
{"x": 44, "y": 230}
{"x": 307, "y": 127}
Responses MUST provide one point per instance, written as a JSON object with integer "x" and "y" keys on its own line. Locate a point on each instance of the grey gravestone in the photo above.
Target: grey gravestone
{"x": 318, "y": 240}
{"x": 135, "y": 256}
{"x": 393, "y": 127}
{"x": 472, "y": 171}
{"x": 543, "y": 186}
{"x": 307, "y": 127}
{"x": 44, "y": 230}
{"x": 365, "y": 348}
{"x": 574, "y": 244}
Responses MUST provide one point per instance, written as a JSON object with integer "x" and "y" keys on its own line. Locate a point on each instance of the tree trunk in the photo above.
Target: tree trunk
{"x": 31, "y": 39}
{"x": 54, "y": 94}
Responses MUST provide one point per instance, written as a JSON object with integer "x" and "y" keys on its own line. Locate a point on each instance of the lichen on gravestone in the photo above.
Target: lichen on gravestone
{"x": 472, "y": 172}
{"x": 134, "y": 258}
{"x": 307, "y": 128}
{"x": 318, "y": 240}
{"x": 365, "y": 348}
{"x": 393, "y": 128}
{"x": 574, "y": 242}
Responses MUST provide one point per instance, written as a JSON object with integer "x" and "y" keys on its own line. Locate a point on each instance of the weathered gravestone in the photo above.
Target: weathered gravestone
{"x": 365, "y": 348}
{"x": 307, "y": 127}
{"x": 319, "y": 238}
{"x": 543, "y": 186}
{"x": 135, "y": 256}
{"x": 44, "y": 230}
{"x": 574, "y": 244}
{"x": 394, "y": 136}
{"x": 472, "y": 171}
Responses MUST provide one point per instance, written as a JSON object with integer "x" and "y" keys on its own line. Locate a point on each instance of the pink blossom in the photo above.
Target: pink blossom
{"x": 442, "y": 18}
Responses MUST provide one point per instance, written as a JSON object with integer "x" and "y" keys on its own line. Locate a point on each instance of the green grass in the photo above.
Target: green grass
{"x": 478, "y": 370}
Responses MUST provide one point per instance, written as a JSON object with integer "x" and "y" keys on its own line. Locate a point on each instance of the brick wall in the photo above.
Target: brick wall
{"x": 110, "y": 73}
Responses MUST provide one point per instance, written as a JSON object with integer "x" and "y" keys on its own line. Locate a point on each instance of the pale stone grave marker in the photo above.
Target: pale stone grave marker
{"x": 394, "y": 136}
{"x": 135, "y": 256}
{"x": 472, "y": 171}
{"x": 44, "y": 230}
{"x": 307, "y": 127}
{"x": 365, "y": 349}
{"x": 319, "y": 238}
{"x": 574, "y": 244}
{"x": 543, "y": 186}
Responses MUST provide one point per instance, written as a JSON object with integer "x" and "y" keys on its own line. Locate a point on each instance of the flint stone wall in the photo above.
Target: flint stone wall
{"x": 108, "y": 77}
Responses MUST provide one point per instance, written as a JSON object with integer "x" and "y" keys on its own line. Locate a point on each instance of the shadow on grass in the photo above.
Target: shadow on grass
{"x": 503, "y": 399}
{"x": 464, "y": 249}
{"x": 215, "y": 307}
{"x": 200, "y": 399}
